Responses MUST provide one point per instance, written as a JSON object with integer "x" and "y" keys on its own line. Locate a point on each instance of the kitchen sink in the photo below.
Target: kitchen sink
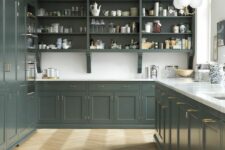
{"x": 216, "y": 96}
{"x": 220, "y": 98}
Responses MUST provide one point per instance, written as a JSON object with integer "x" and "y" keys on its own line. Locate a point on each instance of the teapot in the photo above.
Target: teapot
{"x": 95, "y": 9}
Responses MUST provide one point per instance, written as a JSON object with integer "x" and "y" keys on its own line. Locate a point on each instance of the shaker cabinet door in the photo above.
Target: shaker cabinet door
{"x": 101, "y": 107}
{"x": 183, "y": 128}
{"x": 195, "y": 131}
{"x": 22, "y": 111}
{"x": 127, "y": 107}
{"x": 73, "y": 107}
{"x": 49, "y": 107}
{"x": 11, "y": 118}
{"x": 148, "y": 109}
{"x": 21, "y": 40}
{"x": 211, "y": 134}
{"x": 1, "y": 41}
{"x": 2, "y": 120}
{"x": 10, "y": 40}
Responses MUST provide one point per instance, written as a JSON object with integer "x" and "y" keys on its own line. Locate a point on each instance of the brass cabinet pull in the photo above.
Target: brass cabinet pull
{"x": 180, "y": 103}
{"x": 209, "y": 121}
{"x": 172, "y": 98}
{"x": 192, "y": 110}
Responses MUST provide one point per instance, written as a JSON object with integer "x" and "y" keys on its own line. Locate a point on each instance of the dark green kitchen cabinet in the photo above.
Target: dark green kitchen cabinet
{"x": 100, "y": 107}
{"x": 21, "y": 40}
{"x": 49, "y": 107}
{"x": 183, "y": 127}
{"x": 2, "y": 119}
{"x": 174, "y": 111}
{"x": 195, "y": 130}
{"x": 22, "y": 109}
{"x": 32, "y": 110}
{"x": 127, "y": 107}
{"x": 96, "y": 104}
{"x": 157, "y": 110}
{"x": 73, "y": 107}
{"x": 1, "y": 41}
{"x": 11, "y": 118}
{"x": 211, "y": 134}
{"x": 148, "y": 109}
{"x": 166, "y": 122}
{"x": 223, "y": 135}
{"x": 10, "y": 40}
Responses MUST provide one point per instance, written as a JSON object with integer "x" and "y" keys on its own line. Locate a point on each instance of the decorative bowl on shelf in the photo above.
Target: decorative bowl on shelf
{"x": 184, "y": 72}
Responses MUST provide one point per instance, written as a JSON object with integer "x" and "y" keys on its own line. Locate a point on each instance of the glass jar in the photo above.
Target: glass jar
{"x": 157, "y": 26}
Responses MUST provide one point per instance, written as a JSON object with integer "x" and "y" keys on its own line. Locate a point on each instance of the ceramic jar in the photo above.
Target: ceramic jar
{"x": 157, "y": 26}
{"x": 216, "y": 74}
{"x": 182, "y": 28}
{"x": 149, "y": 27}
{"x": 175, "y": 29}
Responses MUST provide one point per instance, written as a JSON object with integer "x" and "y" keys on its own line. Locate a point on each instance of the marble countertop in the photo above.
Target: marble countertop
{"x": 98, "y": 79}
{"x": 203, "y": 92}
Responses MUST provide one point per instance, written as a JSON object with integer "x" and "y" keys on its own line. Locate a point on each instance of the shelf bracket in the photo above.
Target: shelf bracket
{"x": 139, "y": 69}
{"x": 38, "y": 61}
{"x": 88, "y": 58}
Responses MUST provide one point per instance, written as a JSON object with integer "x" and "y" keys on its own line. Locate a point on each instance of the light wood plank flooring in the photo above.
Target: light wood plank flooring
{"x": 90, "y": 139}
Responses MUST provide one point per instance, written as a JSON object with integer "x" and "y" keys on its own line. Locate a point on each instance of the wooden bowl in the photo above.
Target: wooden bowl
{"x": 184, "y": 72}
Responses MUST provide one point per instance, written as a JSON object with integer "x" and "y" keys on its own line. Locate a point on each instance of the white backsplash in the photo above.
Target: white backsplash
{"x": 108, "y": 65}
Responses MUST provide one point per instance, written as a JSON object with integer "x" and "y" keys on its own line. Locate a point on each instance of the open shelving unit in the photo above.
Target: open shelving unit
{"x": 81, "y": 41}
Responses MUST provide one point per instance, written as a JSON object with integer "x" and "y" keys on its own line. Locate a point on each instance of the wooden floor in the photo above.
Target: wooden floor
{"x": 90, "y": 139}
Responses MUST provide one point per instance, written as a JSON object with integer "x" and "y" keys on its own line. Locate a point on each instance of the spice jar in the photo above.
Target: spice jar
{"x": 157, "y": 26}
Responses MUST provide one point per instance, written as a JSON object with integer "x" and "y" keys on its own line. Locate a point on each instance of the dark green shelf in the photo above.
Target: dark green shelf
{"x": 142, "y": 50}
{"x": 61, "y": 1}
{"x": 63, "y": 34}
{"x": 62, "y": 50}
{"x": 114, "y": 33}
{"x": 113, "y": 1}
{"x": 160, "y": 1}
{"x": 61, "y": 17}
{"x": 167, "y": 17}
{"x": 166, "y": 50}
{"x": 144, "y": 33}
{"x": 116, "y": 17}
{"x": 115, "y": 50}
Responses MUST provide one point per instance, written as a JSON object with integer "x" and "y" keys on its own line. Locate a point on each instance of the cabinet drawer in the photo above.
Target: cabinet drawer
{"x": 114, "y": 86}
{"x": 65, "y": 86}
{"x": 73, "y": 86}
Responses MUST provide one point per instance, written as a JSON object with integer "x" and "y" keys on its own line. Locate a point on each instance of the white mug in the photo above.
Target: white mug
{"x": 119, "y": 13}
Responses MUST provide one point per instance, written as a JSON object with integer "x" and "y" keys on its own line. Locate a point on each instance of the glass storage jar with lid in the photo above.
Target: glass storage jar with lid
{"x": 157, "y": 26}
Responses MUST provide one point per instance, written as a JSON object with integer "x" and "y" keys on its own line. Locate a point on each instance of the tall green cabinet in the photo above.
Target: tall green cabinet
{"x": 17, "y": 109}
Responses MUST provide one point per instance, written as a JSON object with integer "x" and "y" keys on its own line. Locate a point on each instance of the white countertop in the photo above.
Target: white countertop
{"x": 98, "y": 79}
{"x": 202, "y": 92}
